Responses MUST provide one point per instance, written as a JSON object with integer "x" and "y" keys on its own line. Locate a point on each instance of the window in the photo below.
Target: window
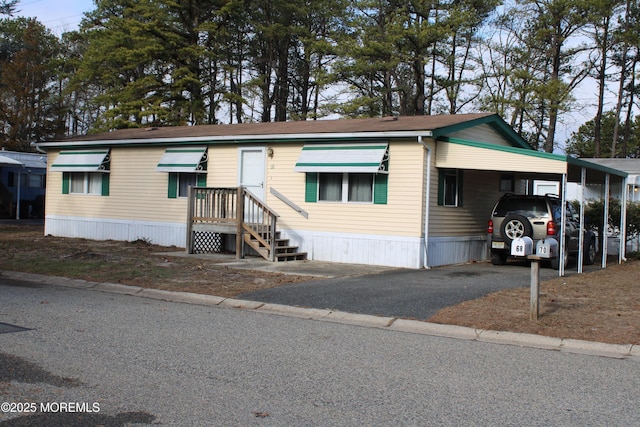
{"x": 360, "y": 187}
{"x": 356, "y": 187}
{"x": 450, "y": 187}
{"x": 186, "y": 167}
{"x": 36, "y": 180}
{"x": 507, "y": 183}
{"x": 96, "y": 183}
{"x": 33, "y": 180}
{"x": 346, "y": 187}
{"x": 179, "y": 183}
{"x": 330, "y": 187}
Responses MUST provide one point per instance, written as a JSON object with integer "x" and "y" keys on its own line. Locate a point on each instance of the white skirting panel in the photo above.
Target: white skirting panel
{"x": 159, "y": 233}
{"x": 456, "y": 250}
{"x": 394, "y": 251}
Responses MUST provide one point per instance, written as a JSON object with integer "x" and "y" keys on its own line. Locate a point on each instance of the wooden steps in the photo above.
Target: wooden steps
{"x": 283, "y": 251}
{"x": 237, "y": 211}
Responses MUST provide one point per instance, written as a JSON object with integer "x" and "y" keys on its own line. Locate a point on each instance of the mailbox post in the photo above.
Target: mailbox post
{"x": 523, "y": 247}
{"x": 534, "y": 304}
{"x": 545, "y": 249}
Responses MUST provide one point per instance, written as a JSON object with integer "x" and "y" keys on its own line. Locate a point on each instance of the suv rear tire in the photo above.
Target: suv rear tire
{"x": 515, "y": 226}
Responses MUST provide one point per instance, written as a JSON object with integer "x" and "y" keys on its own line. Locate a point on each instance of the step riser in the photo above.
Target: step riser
{"x": 282, "y": 253}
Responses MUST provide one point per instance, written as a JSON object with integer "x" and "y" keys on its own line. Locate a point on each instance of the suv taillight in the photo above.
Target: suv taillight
{"x": 490, "y": 227}
{"x": 551, "y": 228}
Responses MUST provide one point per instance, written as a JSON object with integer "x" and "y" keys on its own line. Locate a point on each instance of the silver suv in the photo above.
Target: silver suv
{"x": 537, "y": 217}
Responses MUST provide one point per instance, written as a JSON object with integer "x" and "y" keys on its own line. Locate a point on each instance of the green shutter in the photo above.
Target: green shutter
{"x": 201, "y": 180}
{"x": 105, "y": 184}
{"x": 173, "y": 185}
{"x": 380, "y": 186}
{"x": 311, "y": 187}
{"x": 460, "y": 192}
{"x": 65, "y": 182}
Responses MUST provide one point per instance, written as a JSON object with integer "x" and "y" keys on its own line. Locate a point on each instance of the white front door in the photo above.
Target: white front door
{"x": 252, "y": 170}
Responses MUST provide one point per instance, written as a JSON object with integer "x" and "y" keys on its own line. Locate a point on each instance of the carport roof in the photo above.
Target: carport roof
{"x": 464, "y": 154}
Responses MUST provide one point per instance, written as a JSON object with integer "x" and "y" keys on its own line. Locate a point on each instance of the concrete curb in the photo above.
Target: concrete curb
{"x": 618, "y": 351}
{"x": 184, "y": 297}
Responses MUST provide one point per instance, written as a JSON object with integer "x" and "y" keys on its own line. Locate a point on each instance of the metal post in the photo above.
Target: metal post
{"x": 18, "y": 196}
{"x": 622, "y": 255}
{"x": 563, "y": 226}
{"x": 583, "y": 181}
{"x": 605, "y": 227}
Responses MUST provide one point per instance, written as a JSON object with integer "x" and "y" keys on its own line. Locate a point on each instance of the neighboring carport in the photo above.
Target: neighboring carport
{"x": 531, "y": 164}
{"x": 9, "y": 162}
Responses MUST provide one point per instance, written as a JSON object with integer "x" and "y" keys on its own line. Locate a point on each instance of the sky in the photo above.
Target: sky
{"x": 57, "y": 15}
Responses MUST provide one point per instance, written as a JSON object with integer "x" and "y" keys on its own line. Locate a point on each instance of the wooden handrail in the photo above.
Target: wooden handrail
{"x": 260, "y": 222}
{"x": 234, "y": 205}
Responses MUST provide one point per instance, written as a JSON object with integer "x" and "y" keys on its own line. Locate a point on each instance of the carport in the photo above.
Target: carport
{"x": 531, "y": 164}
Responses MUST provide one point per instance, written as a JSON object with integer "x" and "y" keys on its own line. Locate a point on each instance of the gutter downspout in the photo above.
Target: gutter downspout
{"x": 37, "y": 147}
{"x": 427, "y": 195}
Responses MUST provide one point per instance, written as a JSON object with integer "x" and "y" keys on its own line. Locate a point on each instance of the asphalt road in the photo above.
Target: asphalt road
{"x": 143, "y": 361}
{"x": 416, "y": 294}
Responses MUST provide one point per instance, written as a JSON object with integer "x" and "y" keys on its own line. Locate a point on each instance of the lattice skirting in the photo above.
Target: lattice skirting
{"x": 207, "y": 242}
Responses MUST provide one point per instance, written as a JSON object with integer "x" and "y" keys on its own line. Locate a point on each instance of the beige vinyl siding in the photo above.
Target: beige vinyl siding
{"x": 458, "y": 156}
{"x": 137, "y": 190}
{"x": 222, "y": 166}
{"x": 482, "y": 133}
{"x": 401, "y": 216}
{"x": 480, "y": 193}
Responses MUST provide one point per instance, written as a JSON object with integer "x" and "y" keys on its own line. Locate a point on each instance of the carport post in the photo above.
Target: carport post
{"x": 623, "y": 224}
{"x": 18, "y": 197}
{"x": 583, "y": 182}
{"x": 605, "y": 226}
{"x": 563, "y": 226}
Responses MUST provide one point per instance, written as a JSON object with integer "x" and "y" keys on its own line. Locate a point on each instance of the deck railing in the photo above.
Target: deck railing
{"x": 213, "y": 205}
{"x": 233, "y": 210}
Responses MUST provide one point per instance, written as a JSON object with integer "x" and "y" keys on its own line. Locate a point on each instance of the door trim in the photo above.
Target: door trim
{"x": 263, "y": 154}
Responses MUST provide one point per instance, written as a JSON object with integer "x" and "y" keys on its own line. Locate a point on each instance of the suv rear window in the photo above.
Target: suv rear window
{"x": 526, "y": 207}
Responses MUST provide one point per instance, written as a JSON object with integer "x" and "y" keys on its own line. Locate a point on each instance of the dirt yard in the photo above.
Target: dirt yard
{"x": 602, "y": 306}
{"x": 25, "y": 248}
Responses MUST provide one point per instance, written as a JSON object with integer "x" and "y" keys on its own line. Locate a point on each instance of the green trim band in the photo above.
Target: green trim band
{"x": 514, "y": 150}
{"x": 340, "y": 164}
{"x": 68, "y": 153}
{"x": 345, "y": 148}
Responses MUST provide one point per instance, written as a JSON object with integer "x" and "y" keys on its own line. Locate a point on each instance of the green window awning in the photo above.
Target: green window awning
{"x": 354, "y": 158}
{"x": 82, "y": 161}
{"x": 184, "y": 159}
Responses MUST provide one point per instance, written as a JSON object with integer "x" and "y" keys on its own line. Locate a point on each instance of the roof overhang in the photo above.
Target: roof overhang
{"x": 7, "y": 161}
{"x": 242, "y": 139}
{"x": 464, "y": 154}
{"x": 494, "y": 121}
